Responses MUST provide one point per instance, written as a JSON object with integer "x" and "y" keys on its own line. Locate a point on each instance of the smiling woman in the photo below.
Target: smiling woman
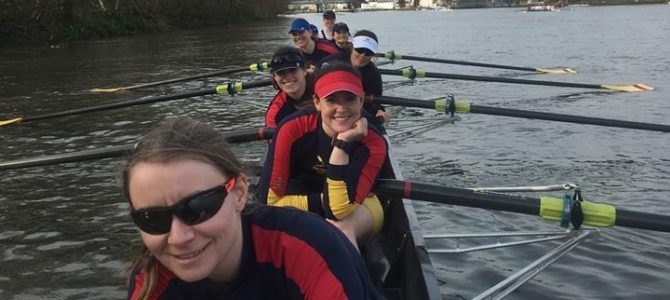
{"x": 294, "y": 83}
{"x": 326, "y": 161}
{"x": 314, "y": 50}
{"x": 188, "y": 199}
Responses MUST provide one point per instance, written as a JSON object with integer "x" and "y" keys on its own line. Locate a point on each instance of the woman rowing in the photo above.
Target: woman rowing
{"x": 314, "y": 50}
{"x": 326, "y": 160}
{"x": 201, "y": 240}
{"x": 365, "y": 45}
{"x": 328, "y": 21}
{"x": 341, "y": 37}
{"x": 294, "y": 83}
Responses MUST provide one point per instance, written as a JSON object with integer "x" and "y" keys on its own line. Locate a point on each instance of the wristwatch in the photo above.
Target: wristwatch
{"x": 348, "y": 147}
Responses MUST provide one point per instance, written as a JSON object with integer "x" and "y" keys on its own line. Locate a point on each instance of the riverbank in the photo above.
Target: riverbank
{"x": 53, "y": 22}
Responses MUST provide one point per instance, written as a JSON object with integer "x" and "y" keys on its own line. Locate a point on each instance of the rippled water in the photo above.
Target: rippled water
{"x": 64, "y": 232}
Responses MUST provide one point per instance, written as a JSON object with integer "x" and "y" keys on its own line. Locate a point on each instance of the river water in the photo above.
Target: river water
{"x": 64, "y": 230}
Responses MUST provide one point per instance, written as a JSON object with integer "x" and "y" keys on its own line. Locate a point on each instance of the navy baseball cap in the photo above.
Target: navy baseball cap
{"x": 299, "y": 25}
{"x": 286, "y": 58}
{"x": 313, "y": 28}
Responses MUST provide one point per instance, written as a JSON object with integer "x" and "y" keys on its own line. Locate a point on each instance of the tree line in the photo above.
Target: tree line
{"x": 52, "y": 21}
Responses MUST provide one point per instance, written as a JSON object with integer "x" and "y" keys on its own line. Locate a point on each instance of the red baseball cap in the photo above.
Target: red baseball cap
{"x": 338, "y": 81}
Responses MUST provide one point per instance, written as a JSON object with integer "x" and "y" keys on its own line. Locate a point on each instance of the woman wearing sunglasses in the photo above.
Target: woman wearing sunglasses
{"x": 188, "y": 197}
{"x": 294, "y": 83}
{"x": 326, "y": 160}
{"x": 364, "y": 46}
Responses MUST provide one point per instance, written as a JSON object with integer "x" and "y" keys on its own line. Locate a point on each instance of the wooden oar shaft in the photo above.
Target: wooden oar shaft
{"x": 497, "y": 79}
{"x": 150, "y": 100}
{"x": 525, "y": 205}
{"x": 488, "y": 110}
{"x": 234, "y": 137}
{"x": 461, "y": 62}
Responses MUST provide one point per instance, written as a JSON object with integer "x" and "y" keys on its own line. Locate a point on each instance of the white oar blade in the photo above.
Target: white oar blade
{"x": 11, "y": 121}
{"x": 557, "y": 71}
{"x": 640, "y": 87}
{"x": 99, "y": 90}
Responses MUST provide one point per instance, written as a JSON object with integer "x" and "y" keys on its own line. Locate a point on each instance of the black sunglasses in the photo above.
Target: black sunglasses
{"x": 365, "y": 51}
{"x": 191, "y": 210}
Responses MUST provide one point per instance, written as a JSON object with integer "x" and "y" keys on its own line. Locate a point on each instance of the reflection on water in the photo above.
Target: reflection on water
{"x": 64, "y": 230}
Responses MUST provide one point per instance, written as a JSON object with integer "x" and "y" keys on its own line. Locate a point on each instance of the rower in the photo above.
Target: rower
{"x": 341, "y": 37}
{"x": 313, "y": 50}
{"x": 364, "y": 46}
{"x": 294, "y": 83}
{"x": 201, "y": 240}
{"x": 314, "y": 30}
{"x": 326, "y": 160}
{"x": 328, "y": 21}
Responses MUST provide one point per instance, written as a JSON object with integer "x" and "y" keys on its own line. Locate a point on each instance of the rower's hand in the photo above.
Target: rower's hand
{"x": 383, "y": 115}
{"x": 356, "y": 133}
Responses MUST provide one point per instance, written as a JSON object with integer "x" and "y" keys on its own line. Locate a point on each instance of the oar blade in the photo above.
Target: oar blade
{"x": 101, "y": 90}
{"x": 11, "y": 121}
{"x": 640, "y": 87}
{"x": 556, "y": 71}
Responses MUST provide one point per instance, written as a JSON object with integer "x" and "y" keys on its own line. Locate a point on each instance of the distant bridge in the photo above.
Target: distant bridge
{"x": 322, "y": 5}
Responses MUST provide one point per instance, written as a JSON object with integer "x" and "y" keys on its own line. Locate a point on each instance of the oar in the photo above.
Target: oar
{"x": 254, "y": 67}
{"x": 228, "y": 88}
{"x": 412, "y": 73}
{"x": 237, "y": 136}
{"x": 466, "y": 107}
{"x": 595, "y": 214}
{"x": 393, "y": 56}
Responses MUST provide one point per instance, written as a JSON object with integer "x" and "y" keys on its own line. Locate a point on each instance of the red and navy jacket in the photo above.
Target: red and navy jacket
{"x": 286, "y": 254}
{"x": 283, "y": 105}
{"x": 297, "y": 173}
{"x": 322, "y": 49}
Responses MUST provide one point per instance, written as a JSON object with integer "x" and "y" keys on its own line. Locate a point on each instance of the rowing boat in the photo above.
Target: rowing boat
{"x": 398, "y": 260}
